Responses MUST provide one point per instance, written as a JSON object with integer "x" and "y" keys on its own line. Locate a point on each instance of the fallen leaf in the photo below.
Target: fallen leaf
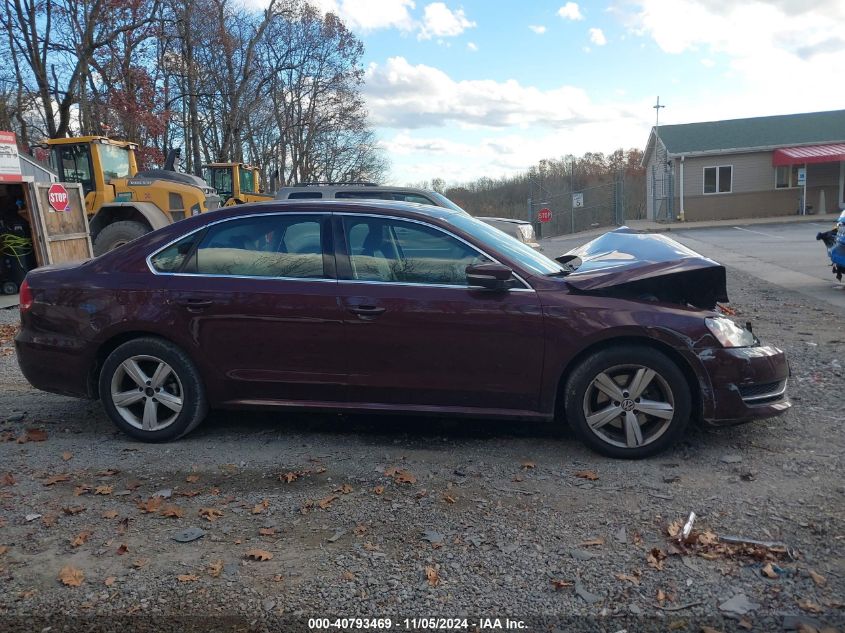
{"x": 138, "y": 563}
{"x": 707, "y": 538}
{"x": 809, "y": 605}
{"x": 67, "y": 456}
{"x": 81, "y": 490}
{"x": 820, "y": 580}
{"x": 55, "y": 479}
{"x": 103, "y": 490}
{"x": 259, "y": 554}
{"x": 655, "y": 558}
{"x": 215, "y": 569}
{"x": 187, "y": 578}
{"x": 172, "y": 512}
{"x": 278, "y": 578}
{"x": 661, "y": 596}
{"x": 370, "y": 547}
{"x": 70, "y": 511}
{"x": 122, "y": 549}
{"x": 80, "y": 538}
{"x": 289, "y": 477}
{"x": 348, "y": 576}
{"x": 449, "y": 499}
{"x": 192, "y": 479}
{"x": 378, "y": 490}
{"x": 327, "y": 501}
{"x": 675, "y": 528}
{"x": 214, "y": 492}
{"x": 587, "y": 474}
{"x": 709, "y": 629}
{"x": 71, "y": 576}
{"x": 561, "y": 584}
{"x": 400, "y": 476}
{"x": 123, "y": 525}
{"x": 629, "y": 578}
{"x": 109, "y": 472}
{"x": 210, "y": 514}
{"x": 3, "y": 549}
{"x": 360, "y": 529}
{"x": 528, "y": 465}
{"x": 592, "y": 542}
{"x": 8, "y": 479}
{"x": 432, "y": 576}
{"x": 151, "y": 505}
{"x": 344, "y": 489}
{"x": 33, "y": 435}
{"x": 769, "y": 571}
{"x": 49, "y": 520}
{"x": 746, "y": 624}
{"x": 261, "y": 507}
{"x": 267, "y": 531}
{"x": 110, "y": 514}
{"x": 108, "y": 582}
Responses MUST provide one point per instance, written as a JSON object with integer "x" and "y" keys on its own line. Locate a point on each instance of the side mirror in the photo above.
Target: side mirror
{"x": 489, "y": 276}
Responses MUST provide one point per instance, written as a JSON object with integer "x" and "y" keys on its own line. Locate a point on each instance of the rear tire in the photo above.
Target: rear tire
{"x": 628, "y": 402}
{"x": 152, "y": 390}
{"x": 117, "y": 234}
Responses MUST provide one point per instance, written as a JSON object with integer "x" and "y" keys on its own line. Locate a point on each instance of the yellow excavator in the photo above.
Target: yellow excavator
{"x": 123, "y": 203}
{"x": 236, "y": 183}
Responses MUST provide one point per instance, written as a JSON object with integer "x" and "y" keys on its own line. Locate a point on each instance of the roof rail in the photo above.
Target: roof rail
{"x": 360, "y": 183}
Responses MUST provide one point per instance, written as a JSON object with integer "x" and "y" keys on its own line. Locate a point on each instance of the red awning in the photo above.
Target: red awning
{"x": 809, "y": 154}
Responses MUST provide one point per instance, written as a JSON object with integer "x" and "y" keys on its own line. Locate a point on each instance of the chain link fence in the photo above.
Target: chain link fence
{"x": 591, "y": 207}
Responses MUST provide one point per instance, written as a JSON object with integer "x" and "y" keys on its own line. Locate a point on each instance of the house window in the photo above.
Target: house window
{"x": 786, "y": 176}
{"x": 718, "y": 179}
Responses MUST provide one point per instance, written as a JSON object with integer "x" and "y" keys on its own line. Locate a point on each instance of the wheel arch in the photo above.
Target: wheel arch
{"x": 692, "y": 377}
{"x": 144, "y": 212}
{"x": 111, "y": 344}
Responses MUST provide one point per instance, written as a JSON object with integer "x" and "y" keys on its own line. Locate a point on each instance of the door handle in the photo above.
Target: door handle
{"x": 194, "y": 303}
{"x": 367, "y": 311}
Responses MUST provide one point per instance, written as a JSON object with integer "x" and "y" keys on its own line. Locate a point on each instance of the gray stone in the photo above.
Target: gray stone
{"x": 189, "y": 534}
{"x": 586, "y": 596}
{"x": 582, "y": 554}
{"x": 738, "y": 605}
{"x": 733, "y": 458}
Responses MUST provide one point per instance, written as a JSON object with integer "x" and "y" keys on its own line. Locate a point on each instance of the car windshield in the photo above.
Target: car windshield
{"x": 502, "y": 242}
{"x": 445, "y": 202}
{"x": 115, "y": 161}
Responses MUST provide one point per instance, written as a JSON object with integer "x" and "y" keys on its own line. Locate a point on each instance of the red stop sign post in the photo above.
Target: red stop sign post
{"x": 544, "y": 215}
{"x": 58, "y": 197}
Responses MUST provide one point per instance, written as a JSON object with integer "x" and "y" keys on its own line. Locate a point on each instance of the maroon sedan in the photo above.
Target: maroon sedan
{"x": 384, "y": 306}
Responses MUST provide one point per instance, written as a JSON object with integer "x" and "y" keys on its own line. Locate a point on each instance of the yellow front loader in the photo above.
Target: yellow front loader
{"x": 236, "y": 183}
{"x": 123, "y": 203}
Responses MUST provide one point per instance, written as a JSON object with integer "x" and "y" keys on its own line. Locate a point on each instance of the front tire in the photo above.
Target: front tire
{"x": 117, "y": 234}
{"x": 628, "y": 402}
{"x": 152, "y": 391}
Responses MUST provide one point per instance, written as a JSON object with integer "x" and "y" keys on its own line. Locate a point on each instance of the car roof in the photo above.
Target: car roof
{"x": 332, "y": 189}
{"x": 332, "y": 205}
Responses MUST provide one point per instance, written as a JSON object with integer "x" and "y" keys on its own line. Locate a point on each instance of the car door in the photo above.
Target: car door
{"x": 256, "y": 301}
{"x": 417, "y": 335}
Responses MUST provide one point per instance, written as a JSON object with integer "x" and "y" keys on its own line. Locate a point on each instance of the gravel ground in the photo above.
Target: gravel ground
{"x": 406, "y": 517}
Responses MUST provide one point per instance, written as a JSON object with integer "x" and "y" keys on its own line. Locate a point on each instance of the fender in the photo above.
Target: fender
{"x": 118, "y": 211}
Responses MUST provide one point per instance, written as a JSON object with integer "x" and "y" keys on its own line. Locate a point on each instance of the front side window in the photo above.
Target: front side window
{"x": 172, "y": 258}
{"x": 718, "y": 179}
{"x": 405, "y": 252}
{"x": 74, "y": 165}
{"x": 220, "y": 179}
{"x": 262, "y": 246}
{"x": 115, "y": 161}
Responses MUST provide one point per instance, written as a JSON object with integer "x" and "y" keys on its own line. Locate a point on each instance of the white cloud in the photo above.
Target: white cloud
{"x": 538, "y": 29}
{"x": 440, "y": 21}
{"x": 597, "y": 37}
{"x": 371, "y": 15}
{"x": 570, "y": 11}
{"x": 472, "y": 46}
{"x": 406, "y": 96}
{"x": 764, "y": 44}
{"x": 707, "y": 62}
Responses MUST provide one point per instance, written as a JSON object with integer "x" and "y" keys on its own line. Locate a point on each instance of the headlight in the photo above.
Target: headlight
{"x": 728, "y": 333}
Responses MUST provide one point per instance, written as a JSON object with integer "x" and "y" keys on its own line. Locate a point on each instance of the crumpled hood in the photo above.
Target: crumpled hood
{"x": 647, "y": 266}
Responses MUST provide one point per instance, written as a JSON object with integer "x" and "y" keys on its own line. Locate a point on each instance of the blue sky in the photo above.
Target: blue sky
{"x": 462, "y": 90}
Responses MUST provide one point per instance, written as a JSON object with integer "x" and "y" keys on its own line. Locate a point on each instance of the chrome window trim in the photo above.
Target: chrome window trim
{"x": 239, "y": 217}
{"x": 382, "y": 216}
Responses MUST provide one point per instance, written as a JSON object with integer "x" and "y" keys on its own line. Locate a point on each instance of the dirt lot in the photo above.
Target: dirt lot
{"x": 409, "y": 517}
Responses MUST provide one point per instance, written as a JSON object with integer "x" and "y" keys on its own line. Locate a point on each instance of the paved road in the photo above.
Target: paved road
{"x": 787, "y": 255}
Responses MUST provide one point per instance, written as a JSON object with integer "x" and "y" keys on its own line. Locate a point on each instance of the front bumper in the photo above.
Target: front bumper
{"x": 746, "y": 383}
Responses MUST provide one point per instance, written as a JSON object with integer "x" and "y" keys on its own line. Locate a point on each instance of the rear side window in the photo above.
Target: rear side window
{"x": 305, "y": 195}
{"x": 171, "y": 259}
{"x": 264, "y": 246}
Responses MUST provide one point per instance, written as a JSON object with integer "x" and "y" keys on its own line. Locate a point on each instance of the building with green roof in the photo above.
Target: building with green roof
{"x": 744, "y": 168}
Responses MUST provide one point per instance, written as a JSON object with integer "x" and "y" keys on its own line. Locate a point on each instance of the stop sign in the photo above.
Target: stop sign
{"x": 58, "y": 198}
{"x": 544, "y": 215}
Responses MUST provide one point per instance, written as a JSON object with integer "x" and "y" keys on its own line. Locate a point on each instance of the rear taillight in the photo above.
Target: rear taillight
{"x": 25, "y": 297}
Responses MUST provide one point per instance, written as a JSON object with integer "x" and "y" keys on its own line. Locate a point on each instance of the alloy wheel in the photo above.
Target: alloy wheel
{"x": 629, "y": 406}
{"x": 147, "y": 392}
